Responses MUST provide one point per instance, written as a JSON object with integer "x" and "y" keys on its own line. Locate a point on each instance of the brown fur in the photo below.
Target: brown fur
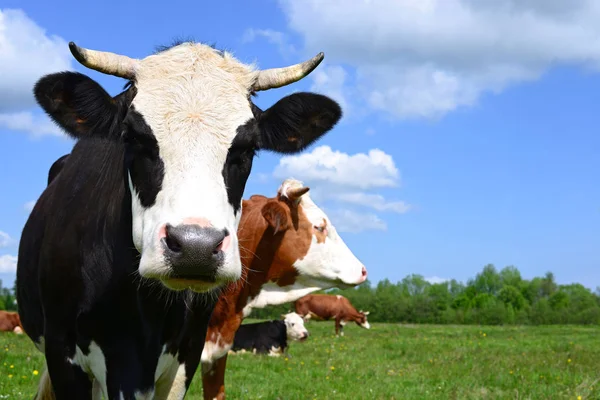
{"x": 326, "y": 306}
{"x": 273, "y": 234}
{"x": 9, "y": 321}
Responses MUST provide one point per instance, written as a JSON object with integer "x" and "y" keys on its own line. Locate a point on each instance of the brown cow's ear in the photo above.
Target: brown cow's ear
{"x": 276, "y": 216}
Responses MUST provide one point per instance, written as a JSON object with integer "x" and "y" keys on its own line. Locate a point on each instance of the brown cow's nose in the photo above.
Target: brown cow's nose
{"x": 194, "y": 252}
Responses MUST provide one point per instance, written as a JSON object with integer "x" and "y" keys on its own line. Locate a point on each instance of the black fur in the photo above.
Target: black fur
{"x": 143, "y": 161}
{"x": 296, "y": 121}
{"x": 78, "y": 260}
{"x": 261, "y": 336}
{"x": 80, "y": 106}
{"x": 56, "y": 167}
{"x": 77, "y": 279}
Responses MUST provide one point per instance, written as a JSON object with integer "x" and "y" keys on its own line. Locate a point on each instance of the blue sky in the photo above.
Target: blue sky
{"x": 469, "y": 135}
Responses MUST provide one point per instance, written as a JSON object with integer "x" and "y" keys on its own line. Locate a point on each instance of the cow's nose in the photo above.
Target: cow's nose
{"x": 194, "y": 252}
{"x": 364, "y": 272}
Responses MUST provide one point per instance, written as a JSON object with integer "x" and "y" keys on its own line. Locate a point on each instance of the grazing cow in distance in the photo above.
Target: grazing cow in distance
{"x": 269, "y": 337}
{"x": 10, "y": 322}
{"x": 289, "y": 248}
{"x": 137, "y": 228}
{"x": 327, "y": 306}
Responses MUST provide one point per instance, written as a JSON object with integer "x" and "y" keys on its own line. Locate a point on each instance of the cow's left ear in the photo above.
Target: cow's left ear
{"x": 276, "y": 216}
{"x": 296, "y": 121}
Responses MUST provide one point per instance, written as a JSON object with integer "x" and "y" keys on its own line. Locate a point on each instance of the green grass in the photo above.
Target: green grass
{"x": 390, "y": 361}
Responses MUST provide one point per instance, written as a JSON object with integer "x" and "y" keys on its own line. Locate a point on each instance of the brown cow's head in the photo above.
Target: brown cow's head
{"x": 309, "y": 243}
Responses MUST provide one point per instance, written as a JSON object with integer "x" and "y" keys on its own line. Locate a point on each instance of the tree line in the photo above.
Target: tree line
{"x": 7, "y": 298}
{"x": 491, "y": 298}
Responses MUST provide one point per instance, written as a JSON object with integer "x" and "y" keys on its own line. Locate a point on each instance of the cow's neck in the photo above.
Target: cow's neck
{"x": 273, "y": 294}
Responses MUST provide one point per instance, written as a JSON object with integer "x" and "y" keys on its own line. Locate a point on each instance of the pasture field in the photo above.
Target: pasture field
{"x": 390, "y": 361}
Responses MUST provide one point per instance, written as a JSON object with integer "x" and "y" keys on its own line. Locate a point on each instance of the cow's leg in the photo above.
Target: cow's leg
{"x": 342, "y": 324}
{"x": 192, "y": 345}
{"x": 337, "y": 326}
{"x": 69, "y": 381}
{"x": 213, "y": 379}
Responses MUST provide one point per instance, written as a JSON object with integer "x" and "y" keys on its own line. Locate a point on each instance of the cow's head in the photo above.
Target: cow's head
{"x": 362, "y": 320}
{"x": 190, "y": 131}
{"x": 309, "y": 241}
{"x": 294, "y": 325}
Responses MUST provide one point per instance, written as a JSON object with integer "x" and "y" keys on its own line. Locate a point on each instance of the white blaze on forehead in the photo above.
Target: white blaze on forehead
{"x": 194, "y": 99}
{"x": 330, "y": 261}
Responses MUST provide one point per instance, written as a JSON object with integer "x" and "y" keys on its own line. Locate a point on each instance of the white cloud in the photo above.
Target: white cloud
{"x": 274, "y": 37}
{"x": 6, "y": 240}
{"x": 28, "y": 122}
{"x": 323, "y": 165}
{"x": 26, "y": 53}
{"x": 331, "y": 81}
{"x": 350, "y": 221}
{"x": 336, "y": 176}
{"x": 8, "y": 264}
{"x": 436, "y": 279}
{"x": 29, "y": 205}
{"x": 424, "y": 58}
{"x": 375, "y": 201}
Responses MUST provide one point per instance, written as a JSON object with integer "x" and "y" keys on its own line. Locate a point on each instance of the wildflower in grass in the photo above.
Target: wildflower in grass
{"x": 327, "y": 377}
{"x": 12, "y": 366}
{"x": 301, "y": 362}
{"x": 332, "y": 368}
{"x": 484, "y": 335}
{"x": 10, "y": 376}
{"x": 569, "y": 360}
{"x": 35, "y": 372}
{"x": 511, "y": 372}
{"x": 24, "y": 377}
{"x": 286, "y": 359}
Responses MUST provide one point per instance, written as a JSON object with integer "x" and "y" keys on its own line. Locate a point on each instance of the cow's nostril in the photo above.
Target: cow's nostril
{"x": 364, "y": 271}
{"x": 171, "y": 241}
{"x": 219, "y": 247}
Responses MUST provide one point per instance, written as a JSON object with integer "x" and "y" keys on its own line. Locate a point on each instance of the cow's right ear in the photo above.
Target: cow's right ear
{"x": 276, "y": 216}
{"x": 80, "y": 106}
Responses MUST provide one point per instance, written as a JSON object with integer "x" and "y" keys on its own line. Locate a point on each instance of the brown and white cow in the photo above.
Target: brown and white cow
{"x": 327, "y": 306}
{"x": 289, "y": 248}
{"x": 10, "y": 322}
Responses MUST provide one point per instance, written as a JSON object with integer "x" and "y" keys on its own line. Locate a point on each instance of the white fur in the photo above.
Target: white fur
{"x": 94, "y": 364}
{"x": 272, "y": 294}
{"x": 275, "y": 351}
{"x": 165, "y": 374}
{"x": 328, "y": 264}
{"x": 214, "y": 349}
{"x": 294, "y": 325}
{"x": 193, "y": 99}
{"x": 177, "y": 391}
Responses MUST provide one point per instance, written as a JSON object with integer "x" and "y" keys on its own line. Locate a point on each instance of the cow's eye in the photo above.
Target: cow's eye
{"x": 293, "y": 324}
{"x": 320, "y": 228}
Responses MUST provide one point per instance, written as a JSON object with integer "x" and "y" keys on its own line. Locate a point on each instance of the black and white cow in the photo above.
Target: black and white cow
{"x": 122, "y": 257}
{"x": 269, "y": 337}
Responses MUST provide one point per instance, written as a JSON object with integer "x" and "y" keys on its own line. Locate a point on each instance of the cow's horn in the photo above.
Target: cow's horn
{"x": 277, "y": 77}
{"x": 295, "y": 193}
{"x": 105, "y": 62}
